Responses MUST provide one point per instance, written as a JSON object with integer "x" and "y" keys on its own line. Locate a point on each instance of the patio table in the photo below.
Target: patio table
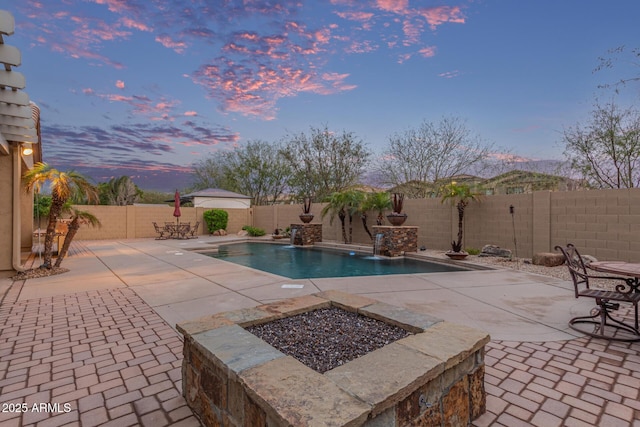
{"x": 629, "y": 269}
{"x": 178, "y": 231}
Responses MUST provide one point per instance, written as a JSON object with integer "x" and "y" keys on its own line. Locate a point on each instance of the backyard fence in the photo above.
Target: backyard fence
{"x": 603, "y": 223}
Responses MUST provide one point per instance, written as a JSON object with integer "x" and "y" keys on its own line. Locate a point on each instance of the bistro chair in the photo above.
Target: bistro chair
{"x": 603, "y": 325}
{"x": 194, "y": 230}
{"x": 160, "y": 232}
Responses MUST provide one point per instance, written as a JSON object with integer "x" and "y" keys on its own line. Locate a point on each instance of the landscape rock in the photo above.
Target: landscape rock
{"x": 495, "y": 251}
{"x": 243, "y": 233}
{"x": 220, "y": 232}
{"x": 548, "y": 259}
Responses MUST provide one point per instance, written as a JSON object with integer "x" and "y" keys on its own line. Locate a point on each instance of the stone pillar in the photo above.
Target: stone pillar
{"x": 396, "y": 240}
{"x": 306, "y": 234}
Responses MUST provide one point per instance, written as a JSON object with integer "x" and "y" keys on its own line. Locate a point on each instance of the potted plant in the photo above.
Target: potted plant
{"x": 460, "y": 195}
{"x": 278, "y": 234}
{"x": 396, "y": 217}
{"x": 306, "y": 216}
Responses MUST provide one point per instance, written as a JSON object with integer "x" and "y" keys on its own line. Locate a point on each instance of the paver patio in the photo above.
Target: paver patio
{"x": 100, "y": 338}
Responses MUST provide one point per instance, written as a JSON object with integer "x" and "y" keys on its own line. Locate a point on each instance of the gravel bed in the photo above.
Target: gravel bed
{"x": 327, "y": 338}
{"x": 34, "y": 273}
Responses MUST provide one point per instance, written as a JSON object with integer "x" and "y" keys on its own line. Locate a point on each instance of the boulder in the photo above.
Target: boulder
{"x": 496, "y": 251}
{"x": 220, "y": 232}
{"x": 547, "y": 259}
{"x": 243, "y": 233}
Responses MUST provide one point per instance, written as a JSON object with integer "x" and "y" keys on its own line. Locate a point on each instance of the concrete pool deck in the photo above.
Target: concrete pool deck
{"x": 539, "y": 372}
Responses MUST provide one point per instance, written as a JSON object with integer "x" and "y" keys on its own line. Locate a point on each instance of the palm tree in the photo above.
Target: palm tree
{"x": 63, "y": 186}
{"x": 353, "y": 205}
{"x": 336, "y": 206}
{"x": 460, "y": 195}
{"x": 77, "y": 217}
{"x": 379, "y": 202}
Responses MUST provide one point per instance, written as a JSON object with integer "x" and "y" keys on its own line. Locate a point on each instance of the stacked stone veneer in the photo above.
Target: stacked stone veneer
{"x": 433, "y": 377}
{"x": 307, "y": 234}
{"x": 397, "y": 240}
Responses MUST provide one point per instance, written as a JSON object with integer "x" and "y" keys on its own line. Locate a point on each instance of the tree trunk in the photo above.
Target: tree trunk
{"x": 461, "y": 206}
{"x": 74, "y": 225}
{"x": 54, "y": 212}
{"x": 342, "y": 217}
{"x": 350, "y": 228}
{"x": 364, "y": 224}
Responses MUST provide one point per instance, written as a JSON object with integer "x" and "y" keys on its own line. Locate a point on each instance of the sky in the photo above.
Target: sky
{"x": 147, "y": 88}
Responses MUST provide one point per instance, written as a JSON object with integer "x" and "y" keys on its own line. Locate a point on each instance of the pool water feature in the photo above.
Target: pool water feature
{"x": 310, "y": 263}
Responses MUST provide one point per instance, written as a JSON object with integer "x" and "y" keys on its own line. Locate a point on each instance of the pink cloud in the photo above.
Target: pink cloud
{"x": 283, "y": 55}
{"x": 353, "y": 15}
{"x": 395, "y": 6}
{"x": 120, "y": 84}
{"x": 255, "y": 91}
{"x": 191, "y": 113}
{"x": 436, "y": 16}
{"x": 130, "y": 23}
{"x": 428, "y": 51}
{"x": 404, "y": 57}
{"x": 166, "y": 41}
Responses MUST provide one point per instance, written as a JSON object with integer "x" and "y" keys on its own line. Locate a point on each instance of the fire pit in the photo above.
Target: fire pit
{"x": 433, "y": 375}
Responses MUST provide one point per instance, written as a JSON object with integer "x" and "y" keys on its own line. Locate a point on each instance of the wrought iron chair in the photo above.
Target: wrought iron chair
{"x": 194, "y": 230}
{"x": 160, "y": 232}
{"x": 603, "y": 325}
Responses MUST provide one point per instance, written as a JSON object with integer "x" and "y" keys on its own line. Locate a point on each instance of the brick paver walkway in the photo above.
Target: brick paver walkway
{"x": 115, "y": 362}
{"x": 583, "y": 382}
{"x": 99, "y": 358}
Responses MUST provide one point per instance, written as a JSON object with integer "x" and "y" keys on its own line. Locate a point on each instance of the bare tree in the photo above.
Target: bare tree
{"x": 324, "y": 162}
{"x": 256, "y": 170}
{"x": 614, "y": 56}
{"x": 431, "y": 152}
{"x": 607, "y": 150}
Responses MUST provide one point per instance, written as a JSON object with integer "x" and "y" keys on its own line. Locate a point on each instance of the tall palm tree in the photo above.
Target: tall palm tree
{"x": 63, "y": 186}
{"x": 77, "y": 217}
{"x": 460, "y": 195}
{"x": 353, "y": 205}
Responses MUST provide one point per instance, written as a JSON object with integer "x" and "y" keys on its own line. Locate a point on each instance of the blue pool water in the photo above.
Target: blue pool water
{"x": 308, "y": 263}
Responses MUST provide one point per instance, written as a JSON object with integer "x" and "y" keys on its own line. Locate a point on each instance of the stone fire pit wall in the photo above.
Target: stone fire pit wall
{"x": 307, "y": 234}
{"x": 434, "y": 377}
{"x": 397, "y": 240}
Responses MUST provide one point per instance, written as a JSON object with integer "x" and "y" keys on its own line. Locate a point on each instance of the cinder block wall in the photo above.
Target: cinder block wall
{"x": 131, "y": 222}
{"x": 603, "y": 223}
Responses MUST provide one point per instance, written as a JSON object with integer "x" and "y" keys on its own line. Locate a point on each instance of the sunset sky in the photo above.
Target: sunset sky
{"x": 146, "y": 88}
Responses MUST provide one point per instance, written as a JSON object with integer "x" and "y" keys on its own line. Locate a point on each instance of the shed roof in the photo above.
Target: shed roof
{"x": 217, "y": 193}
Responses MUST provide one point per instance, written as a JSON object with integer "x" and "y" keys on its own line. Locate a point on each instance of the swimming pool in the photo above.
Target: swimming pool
{"x": 309, "y": 263}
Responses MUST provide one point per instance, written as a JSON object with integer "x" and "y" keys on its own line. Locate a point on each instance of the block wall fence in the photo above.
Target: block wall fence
{"x": 603, "y": 223}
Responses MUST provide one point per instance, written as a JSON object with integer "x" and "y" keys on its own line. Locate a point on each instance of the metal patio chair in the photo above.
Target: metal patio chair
{"x": 194, "y": 230}
{"x": 160, "y": 232}
{"x": 603, "y": 325}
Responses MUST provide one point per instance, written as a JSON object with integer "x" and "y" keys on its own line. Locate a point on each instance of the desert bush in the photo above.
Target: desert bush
{"x": 216, "y": 219}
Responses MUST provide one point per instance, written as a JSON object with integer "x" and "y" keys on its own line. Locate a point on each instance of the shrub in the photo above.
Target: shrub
{"x": 473, "y": 251}
{"x": 254, "y": 231}
{"x": 216, "y": 219}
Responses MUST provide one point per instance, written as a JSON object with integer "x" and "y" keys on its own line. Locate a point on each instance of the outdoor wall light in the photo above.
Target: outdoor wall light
{"x": 27, "y": 151}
